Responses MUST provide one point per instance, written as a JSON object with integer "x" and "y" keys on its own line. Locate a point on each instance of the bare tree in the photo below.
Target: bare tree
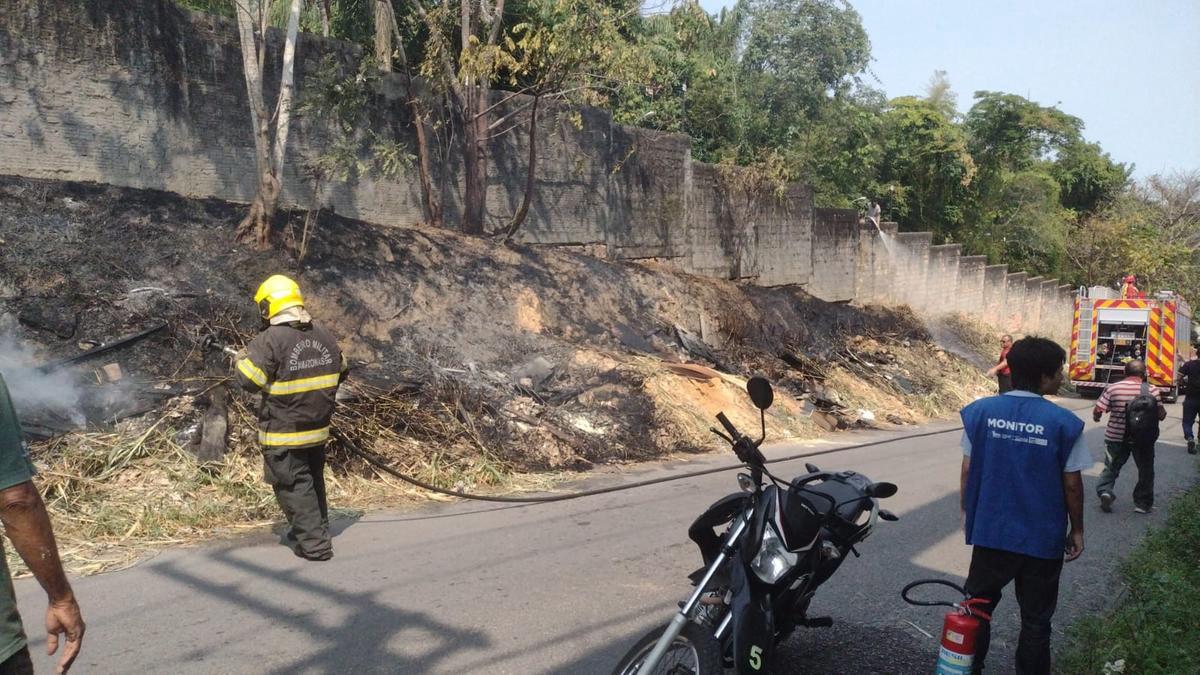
{"x": 269, "y": 149}
{"x": 469, "y": 87}
{"x": 1177, "y": 196}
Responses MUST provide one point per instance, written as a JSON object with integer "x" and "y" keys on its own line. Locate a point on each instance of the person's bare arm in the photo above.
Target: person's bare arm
{"x": 28, "y": 527}
{"x": 1073, "y": 487}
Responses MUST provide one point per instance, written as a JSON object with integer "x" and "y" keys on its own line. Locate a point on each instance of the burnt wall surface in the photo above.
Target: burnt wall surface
{"x": 144, "y": 94}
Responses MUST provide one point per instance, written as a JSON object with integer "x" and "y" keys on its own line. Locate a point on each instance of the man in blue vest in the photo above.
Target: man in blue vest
{"x": 1021, "y": 485}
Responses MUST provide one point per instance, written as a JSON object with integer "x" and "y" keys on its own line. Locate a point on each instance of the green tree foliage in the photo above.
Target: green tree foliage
{"x": 1089, "y": 178}
{"x": 926, "y": 168}
{"x": 795, "y": 56}
{"x": 783, "y": 87}
{"x": 1152, "y": 230}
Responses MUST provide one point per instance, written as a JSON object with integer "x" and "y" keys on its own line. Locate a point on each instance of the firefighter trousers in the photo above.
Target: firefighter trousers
{"x": 1036, "y": 581}
{"x": 297, "y": 476}
{"x": 1191, "y": 408}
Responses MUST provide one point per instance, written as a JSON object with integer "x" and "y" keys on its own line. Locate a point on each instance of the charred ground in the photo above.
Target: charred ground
{"x": 476, "y": 359}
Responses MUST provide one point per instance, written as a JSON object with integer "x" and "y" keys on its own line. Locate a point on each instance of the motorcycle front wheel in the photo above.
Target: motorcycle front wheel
{"x": 694, "y": 652}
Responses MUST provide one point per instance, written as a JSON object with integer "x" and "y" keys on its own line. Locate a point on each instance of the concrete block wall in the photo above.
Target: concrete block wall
{"x": 995, "y": 294}
{"x": 912, "y": 265}
{"x": 876, "y": 270}
{"x": 144, "y": 94}
{"x": 1014, "y": 310}
{"x": 971, "y": 282}
{"x": 835, "y": 251}
{"x": 1047, "y": 307}
{"x": 1031, "y": 319}
{"x": 941, "y": 278}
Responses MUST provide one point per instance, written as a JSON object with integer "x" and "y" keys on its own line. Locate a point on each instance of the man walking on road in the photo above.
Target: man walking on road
{"x": 1001, "y": 370}
{"x": 1190, "y": 372}
{"x": 297, "y": 366}
{"x": 28, "y": 528}
{"x": 1020, "y": 487}
{"x": 1134, "y": 410}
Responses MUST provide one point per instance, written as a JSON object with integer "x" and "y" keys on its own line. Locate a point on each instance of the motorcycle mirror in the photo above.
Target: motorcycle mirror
{"x": 881, "y": 490}
{"x": 888, "y": 516}
{"x": 745, "y": 482}
{"x": 810, "y": 467}
{"x": 760, "y": 392}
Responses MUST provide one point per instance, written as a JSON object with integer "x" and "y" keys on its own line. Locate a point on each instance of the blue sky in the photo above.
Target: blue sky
{"x": 1130, "y": 69}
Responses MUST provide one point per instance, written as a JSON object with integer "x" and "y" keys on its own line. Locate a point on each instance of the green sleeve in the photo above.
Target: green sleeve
{"x": 15, "y": 467}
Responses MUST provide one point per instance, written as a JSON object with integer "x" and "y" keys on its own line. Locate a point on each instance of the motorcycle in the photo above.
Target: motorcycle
{"x": 782, "y": 541}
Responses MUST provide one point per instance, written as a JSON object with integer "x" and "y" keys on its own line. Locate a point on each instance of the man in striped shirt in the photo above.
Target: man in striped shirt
{"x": 1118, "y": 444}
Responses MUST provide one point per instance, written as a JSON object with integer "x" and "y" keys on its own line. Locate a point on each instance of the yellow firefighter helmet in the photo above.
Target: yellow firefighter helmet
{"x": 276, "y": 294}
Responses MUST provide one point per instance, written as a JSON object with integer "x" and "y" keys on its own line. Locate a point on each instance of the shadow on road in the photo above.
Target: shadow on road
{"x": 358, "y": 644}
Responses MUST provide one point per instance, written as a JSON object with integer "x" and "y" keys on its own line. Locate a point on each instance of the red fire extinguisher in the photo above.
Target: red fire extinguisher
{"x": 960, "y": 630}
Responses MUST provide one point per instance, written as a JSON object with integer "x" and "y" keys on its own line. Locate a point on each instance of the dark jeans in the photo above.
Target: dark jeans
{"x": 1116, "y": 453}
{"x": 18, "y": 664}
{"x": 1037, "y": 594}
{"x": 1191, "y": 407}
{"x": 298, "y": 478}
{"x": 1005, "y": 383}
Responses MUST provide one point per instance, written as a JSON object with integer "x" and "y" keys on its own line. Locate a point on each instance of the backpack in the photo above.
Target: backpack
{"x": 1191, "y": 383}
{"x": 1141, "y": 417}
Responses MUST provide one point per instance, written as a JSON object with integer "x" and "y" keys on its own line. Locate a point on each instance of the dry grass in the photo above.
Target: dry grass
{"x": 912, "y": 383}
{"x": 117, "y": 496}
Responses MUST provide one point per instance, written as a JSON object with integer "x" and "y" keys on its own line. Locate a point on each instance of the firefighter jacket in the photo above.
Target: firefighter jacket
{"x": 297, "y": 366}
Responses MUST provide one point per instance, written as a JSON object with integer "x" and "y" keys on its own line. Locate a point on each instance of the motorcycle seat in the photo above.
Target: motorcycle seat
{"x": 850, "y": 501}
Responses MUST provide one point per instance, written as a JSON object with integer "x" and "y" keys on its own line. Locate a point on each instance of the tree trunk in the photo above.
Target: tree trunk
{"x": 474, "y": 161}
{"x": 269, "y": 156}
{"x": 325, "y": 17}
{"x": 530, "y": 173}
{"x": 383, "y": 35}
{"x": 287, "y": 89}
{"x": 429, "y": 201}
{"x": 250, "y": 65}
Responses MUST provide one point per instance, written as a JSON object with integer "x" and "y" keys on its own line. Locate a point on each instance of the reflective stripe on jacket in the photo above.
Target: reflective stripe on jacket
{"x": 297, "y": 366}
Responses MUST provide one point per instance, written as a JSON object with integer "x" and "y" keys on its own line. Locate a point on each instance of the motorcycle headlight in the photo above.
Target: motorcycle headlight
{"x": 773, "y": 559}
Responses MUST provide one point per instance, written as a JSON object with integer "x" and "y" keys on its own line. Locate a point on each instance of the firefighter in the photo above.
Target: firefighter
{"x": 297, "y": 367}
{"x": 1129, "y": 289}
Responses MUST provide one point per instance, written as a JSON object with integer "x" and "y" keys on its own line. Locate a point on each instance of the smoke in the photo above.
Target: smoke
{"x": 44, "y": 401}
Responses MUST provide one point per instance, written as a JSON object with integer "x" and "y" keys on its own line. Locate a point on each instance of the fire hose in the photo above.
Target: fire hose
{"x": 101, "y": 348}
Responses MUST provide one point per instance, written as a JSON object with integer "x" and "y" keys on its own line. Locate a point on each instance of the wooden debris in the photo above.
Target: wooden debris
{"x": 692, "y": 371}
{"x": 109, "y": 372}
{"x": 214, "y": 428}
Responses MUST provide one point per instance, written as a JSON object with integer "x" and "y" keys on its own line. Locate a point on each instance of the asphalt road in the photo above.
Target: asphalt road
{"x": 563, "y": 587}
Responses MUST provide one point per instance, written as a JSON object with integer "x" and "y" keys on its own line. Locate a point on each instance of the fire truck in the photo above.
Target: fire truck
{"x": 1108, "y": 331}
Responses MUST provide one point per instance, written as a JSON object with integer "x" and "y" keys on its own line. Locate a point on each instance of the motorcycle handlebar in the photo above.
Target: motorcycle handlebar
{"x": 733, "y": 432}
